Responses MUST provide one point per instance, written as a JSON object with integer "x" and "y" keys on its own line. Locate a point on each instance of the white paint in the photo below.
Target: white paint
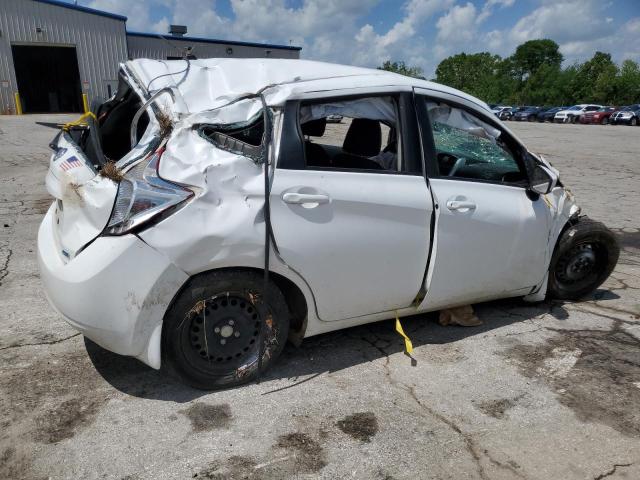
{"x": 560, "y": 363}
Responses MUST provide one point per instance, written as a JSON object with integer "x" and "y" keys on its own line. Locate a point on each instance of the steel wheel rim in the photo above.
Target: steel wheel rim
{"x": 580, "y": 265}
{"x": 221, "y": 333}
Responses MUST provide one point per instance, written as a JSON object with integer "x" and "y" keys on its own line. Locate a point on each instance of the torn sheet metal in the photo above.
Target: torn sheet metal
{"x": 210, "y": 83}
{"x": 228, "y": 207}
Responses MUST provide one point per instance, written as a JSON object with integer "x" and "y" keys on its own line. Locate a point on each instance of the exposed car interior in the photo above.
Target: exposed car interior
{"x": 356, "y": 140}
{"x": 114, "y": 120}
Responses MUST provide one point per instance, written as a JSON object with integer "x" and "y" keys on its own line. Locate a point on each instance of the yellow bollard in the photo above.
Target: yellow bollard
{"x": 18, "y": 103}
{"x": 85, "y": 102}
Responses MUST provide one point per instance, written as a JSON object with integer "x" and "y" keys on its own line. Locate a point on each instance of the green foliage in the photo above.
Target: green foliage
{"x": 627, "y": 84}
{"x": 402, "y": 69}
{"x": 532, "y": 55}
{"x": 474, "y": 73}
{"x": 533, "y": 75}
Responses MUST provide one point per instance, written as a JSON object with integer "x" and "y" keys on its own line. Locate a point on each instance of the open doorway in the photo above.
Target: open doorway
{"x": 48, "y": 78}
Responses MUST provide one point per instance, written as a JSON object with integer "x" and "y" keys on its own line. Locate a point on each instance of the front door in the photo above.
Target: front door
{"x": 491, "y": 237}
{"x": 350, "y": 207}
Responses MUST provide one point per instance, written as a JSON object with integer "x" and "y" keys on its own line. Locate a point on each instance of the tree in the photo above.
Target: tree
{"x": 627, "y": 84}
{"x": 585, "y": 81}
{"x": 531, "y": 55}
{"x": 475, "y": 74}
{"x": 533, "y": 75}
{"x": 403, "y": 69}
{"x": 543, "y": 87}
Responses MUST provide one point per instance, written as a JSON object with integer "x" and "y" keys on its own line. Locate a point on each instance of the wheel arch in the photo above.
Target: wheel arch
{"x": 293, "y": 294}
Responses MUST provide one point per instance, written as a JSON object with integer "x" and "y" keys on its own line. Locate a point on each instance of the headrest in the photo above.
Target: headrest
{"x": 364, "y": 137}
{"x": 314, "y": 128}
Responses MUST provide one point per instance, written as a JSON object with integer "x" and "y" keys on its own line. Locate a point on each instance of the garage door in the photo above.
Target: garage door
{"x": 48, "y": 78}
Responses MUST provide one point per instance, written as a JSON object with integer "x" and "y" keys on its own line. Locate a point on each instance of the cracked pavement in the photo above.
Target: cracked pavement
{"x": 537, "y": 392}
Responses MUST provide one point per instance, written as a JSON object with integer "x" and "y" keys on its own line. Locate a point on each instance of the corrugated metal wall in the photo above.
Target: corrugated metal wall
{"x": 100, "y": 42}
{"x": 160, "y": 48}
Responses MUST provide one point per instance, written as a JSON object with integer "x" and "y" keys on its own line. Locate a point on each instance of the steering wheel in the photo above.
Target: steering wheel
{"x": 460, "y": 162}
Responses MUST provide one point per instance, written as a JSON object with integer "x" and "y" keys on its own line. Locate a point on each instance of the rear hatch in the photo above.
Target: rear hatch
{"x": 84, "y": 194}
{"x": 84, "y": 199}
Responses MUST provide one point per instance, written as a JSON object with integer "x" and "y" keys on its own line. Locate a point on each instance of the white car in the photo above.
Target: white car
{"x": 571, "y": 114}
{"x": 232, "y": 219}
{"x": 502, "y": 112}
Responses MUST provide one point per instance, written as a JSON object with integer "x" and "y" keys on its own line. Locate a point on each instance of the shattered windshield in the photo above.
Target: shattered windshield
{"x": 459, "y": 142}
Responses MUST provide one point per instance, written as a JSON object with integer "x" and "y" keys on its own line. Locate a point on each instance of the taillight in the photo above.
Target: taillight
{"x": 144, "y": 198}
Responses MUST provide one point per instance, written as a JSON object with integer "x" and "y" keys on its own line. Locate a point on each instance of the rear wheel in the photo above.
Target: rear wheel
{"x": 585, "y": 256}
{"x": 211, "y": 333}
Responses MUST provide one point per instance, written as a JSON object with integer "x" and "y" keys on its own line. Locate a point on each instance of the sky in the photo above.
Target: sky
{"x": 419, "y": 32}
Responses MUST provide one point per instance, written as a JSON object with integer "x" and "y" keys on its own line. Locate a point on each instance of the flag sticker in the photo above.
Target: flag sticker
{"x": 69, "y": 163}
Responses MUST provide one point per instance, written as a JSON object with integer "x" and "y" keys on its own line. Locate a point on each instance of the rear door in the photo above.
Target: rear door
{"x": 351, "y": 209}
{"x": 491, "y": 235}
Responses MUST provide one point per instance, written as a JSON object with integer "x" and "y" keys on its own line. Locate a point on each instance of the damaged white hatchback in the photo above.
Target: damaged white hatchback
{"x": 212, "y": 209}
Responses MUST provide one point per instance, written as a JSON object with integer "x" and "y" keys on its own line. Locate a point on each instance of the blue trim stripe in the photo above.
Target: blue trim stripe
{"x": 72, "y": 6}
{"x": 211, "y": 40}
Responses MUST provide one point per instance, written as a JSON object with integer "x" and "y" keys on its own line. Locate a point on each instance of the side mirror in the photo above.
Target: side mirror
{"x": 543, "y": 180}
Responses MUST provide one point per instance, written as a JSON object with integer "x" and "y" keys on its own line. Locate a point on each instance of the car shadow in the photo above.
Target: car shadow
{"x": 332, "y": 351}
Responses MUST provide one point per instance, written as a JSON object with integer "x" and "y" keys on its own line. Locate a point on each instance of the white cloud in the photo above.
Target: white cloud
{"x": 488, "y": 7}
{"x": 564, "y": 21}
{"x": 587, "y": 29}
{"x": 425, "y": 32}
{"x": 458, "y": 25}
{"x": 138, "y": 13}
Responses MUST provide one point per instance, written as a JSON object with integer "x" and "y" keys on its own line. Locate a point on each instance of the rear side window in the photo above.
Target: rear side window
{"x": 359, "y": 134}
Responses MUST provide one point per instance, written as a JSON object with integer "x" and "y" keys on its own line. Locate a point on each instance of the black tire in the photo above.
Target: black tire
{"x": 584, "y": 257}
{"x": 210, "y": 333}
{"x": 605, "y": 121}
{"x": 633, "y": 122}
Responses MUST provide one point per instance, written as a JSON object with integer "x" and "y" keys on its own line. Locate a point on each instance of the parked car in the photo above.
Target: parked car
{"x": 548, "y": 114}
{"x": 529, "y": 114}
{"x": 501, "y": 112}
{"x": 334, "y": 119}
{"x": 571, "y": 114}
{"x": 508, "y": 115}
{"x": 629, "y": 115}
{"x": 231, "y": 221}
{"x": 600, "y": 116}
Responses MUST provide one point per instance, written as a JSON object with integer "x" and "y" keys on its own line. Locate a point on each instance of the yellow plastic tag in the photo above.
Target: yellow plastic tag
{"x": 79, "y": 121}
{"x": 408, "y": 346}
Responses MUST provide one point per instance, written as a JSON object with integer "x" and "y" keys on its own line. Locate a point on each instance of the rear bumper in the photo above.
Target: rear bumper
{"x": 115, "y": 292}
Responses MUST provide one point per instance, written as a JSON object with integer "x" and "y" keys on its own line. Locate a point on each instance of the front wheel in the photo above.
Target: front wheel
{"x": 605, "y": 121}
{"x": 211, "y": 333}
{"x": 633, "y": 122}
{"x": 585, "y": 256}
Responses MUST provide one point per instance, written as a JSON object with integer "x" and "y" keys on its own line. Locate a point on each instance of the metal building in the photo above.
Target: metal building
{"x": 54, "y": 56}
{"x": 164, "y": 47}
{"x": 50, "y": 52}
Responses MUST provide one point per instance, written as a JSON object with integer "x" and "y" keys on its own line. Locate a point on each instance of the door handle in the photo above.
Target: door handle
{"x": 460, "y": 205}
{"x": 301, "y": 198}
